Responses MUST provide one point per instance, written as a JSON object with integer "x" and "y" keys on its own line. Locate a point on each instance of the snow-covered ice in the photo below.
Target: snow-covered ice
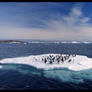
{"x": 77, "y": 63}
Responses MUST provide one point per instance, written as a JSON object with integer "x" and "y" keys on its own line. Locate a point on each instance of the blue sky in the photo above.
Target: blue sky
{"x": 46, "y": 20}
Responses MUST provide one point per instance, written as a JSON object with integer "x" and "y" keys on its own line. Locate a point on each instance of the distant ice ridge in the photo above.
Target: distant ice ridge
{"x": 13, "y": 42}
{"x": 75, "y": 42}
{"x": 85, "y": 42}
{"x": 51, "y": 61}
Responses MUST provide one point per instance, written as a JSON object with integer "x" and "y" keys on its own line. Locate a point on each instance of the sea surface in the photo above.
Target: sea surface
{"x": 26, "y": 77}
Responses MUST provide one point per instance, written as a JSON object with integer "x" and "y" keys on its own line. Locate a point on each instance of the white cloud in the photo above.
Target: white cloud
{"x": 74, "y": 26}
{"x": 85, "y": 19}
{"x": 76, "y": 11}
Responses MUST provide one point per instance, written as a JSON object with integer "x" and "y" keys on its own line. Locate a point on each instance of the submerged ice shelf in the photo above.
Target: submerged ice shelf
{"x": 51, "y": 61}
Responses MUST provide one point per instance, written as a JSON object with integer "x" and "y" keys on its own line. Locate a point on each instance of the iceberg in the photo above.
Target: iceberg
{"x": 51, "y": 61}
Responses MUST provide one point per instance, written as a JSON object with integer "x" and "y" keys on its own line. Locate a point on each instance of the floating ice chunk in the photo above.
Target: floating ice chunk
{"x": 51, "y": 61}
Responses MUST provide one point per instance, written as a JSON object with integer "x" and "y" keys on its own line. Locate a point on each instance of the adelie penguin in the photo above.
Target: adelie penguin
{"x": 45, "y": 60}
{"x": 69, "y": 60}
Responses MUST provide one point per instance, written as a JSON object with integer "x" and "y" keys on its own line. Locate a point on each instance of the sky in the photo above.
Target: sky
{"x": 71, "y": 21}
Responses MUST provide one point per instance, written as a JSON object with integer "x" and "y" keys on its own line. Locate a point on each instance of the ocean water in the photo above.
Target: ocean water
{"x": 26, "y": 77}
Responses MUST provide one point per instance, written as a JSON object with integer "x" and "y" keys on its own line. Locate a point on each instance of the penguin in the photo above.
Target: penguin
{"x": 45, "y": 60}
{"x": 53, "y": 59}
{"x": 42, "y": 59}
{"x": 62, "y": 59}
{"x": 58, "y": 59}
{"x": 50, "y": 62}
{"x": 69, "y": 60}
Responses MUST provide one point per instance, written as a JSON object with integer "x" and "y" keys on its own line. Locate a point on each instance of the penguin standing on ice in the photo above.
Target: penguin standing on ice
{"x": 53, "y": 58}
{"x": 58, "y": 59}
{"x": 45, "y": 60}
{"x": 62, "y": 59}
{"x": 50, "y": 62}
{"x": 69, "y": 60}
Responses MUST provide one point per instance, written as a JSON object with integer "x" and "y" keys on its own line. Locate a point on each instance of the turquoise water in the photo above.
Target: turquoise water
{"x": 28, "y": 77}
